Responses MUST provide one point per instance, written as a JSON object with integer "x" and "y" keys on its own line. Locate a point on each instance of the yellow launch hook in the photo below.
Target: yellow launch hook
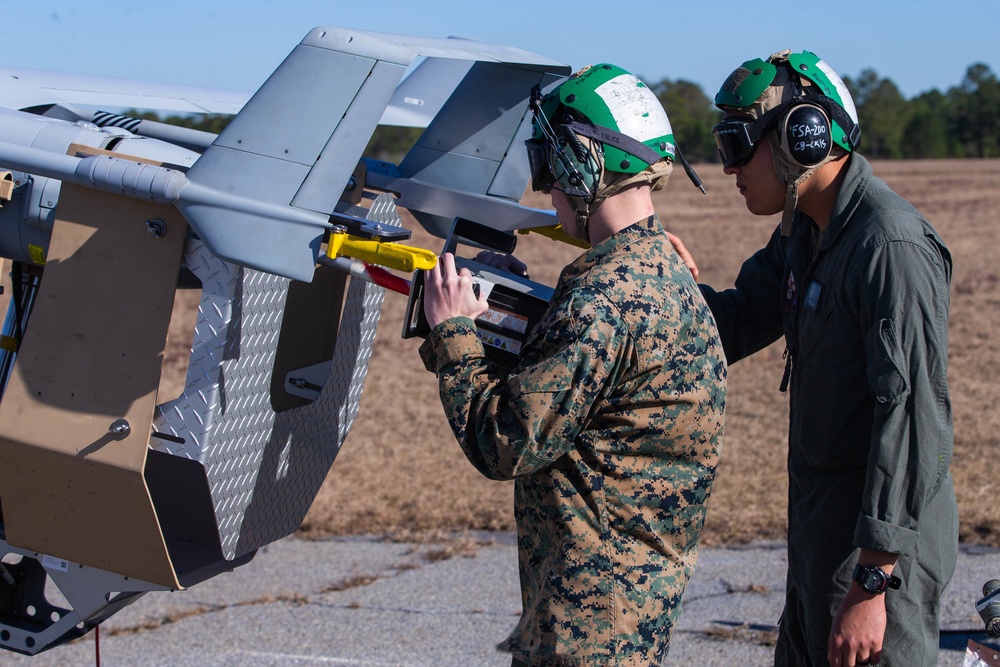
{"x": 383, "y": 253}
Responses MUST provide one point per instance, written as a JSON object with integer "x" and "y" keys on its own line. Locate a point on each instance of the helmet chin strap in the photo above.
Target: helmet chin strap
{"x": 791, "y": 200}
{"x": 792, "y": 175}
{"x": 582, "y": 210}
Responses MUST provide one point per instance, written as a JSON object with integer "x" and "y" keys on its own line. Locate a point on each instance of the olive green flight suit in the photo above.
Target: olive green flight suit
{"x": 863, "y": 308}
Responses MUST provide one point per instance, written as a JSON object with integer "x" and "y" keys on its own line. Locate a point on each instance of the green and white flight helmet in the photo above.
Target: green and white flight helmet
{"x": 797, "y": 103}
{"x": 598, "y": 132}
{"x": 757, "y": 86}
{"x": 610, "y": 98}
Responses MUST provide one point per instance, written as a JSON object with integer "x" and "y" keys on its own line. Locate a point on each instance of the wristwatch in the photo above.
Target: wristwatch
{"x": 874, "y": 579}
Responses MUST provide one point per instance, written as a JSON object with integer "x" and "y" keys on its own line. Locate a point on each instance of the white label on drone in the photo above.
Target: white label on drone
{"x": 53, "y": 563}
{"x": 635, "y": 108}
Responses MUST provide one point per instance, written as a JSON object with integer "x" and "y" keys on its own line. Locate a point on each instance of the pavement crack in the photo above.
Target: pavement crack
{"x": 464, "y": 547}
{"x": 343, "y": 584}
{"x": 424, "y": 612}
{"x": 731, "y": 589}
{"x": 201, "y": 610}
{"x": 347, "y": 583}
{"x": 752, "y": 633}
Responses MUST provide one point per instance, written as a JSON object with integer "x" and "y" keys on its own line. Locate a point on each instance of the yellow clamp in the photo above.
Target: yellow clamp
{"x": 384, "y": 253}
{"x": 556, "y": 233}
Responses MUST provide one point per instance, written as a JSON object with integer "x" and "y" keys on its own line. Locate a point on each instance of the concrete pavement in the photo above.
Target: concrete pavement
{"x": 369, "y": 603}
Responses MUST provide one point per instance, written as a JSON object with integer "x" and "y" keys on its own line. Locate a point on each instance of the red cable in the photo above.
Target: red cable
{"x": 388, "y": 280}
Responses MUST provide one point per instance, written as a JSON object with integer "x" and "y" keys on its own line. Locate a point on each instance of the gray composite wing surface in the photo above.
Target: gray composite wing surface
{"x": 26, "y": 88}
{"x": 262, "y": 194}
{"x": 424, "y": 91}
{"x": 414, "y": 103}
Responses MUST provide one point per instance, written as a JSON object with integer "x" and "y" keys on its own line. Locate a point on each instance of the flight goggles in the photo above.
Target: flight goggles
{"x": 737, "y": 137}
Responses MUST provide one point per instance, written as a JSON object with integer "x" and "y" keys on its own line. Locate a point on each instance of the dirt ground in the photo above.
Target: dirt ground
{"x": 401, "y": 472}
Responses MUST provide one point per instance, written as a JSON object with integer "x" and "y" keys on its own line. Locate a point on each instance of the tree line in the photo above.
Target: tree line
{"x": 962, "y": 122}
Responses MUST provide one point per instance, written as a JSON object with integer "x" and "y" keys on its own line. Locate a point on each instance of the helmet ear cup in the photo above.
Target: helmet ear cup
{"x": 805, "y": 135}
{"x": 577, "y": 171}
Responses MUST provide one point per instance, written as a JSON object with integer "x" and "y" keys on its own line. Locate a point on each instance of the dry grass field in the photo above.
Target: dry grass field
{"x": 401, "y": 473}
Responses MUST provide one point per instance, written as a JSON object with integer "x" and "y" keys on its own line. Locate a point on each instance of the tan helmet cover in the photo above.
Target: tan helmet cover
{"x": 780, "y": 91}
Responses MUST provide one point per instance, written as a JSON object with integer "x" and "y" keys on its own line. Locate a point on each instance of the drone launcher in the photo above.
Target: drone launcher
{"x": 109, "y": 490}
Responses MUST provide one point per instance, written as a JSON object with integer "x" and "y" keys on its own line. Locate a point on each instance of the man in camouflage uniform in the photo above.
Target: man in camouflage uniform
{"x": 611, "y": 423}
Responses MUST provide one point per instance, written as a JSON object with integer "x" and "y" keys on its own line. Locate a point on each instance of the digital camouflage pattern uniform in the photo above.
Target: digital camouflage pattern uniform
{"x": 611, "y": 425}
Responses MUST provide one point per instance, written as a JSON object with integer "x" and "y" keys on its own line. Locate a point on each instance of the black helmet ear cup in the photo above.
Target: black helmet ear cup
{"x": 806, "y": 135}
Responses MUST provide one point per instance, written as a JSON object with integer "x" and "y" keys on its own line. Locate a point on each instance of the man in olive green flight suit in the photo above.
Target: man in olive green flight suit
{"x": 857, "y": 281}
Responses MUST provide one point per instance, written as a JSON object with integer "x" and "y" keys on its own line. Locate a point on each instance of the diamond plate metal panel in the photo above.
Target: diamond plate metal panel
{"x": 264, "y": 469}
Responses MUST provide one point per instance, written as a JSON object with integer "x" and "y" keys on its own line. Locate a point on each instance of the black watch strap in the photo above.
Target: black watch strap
{"x": 874, "y": 579}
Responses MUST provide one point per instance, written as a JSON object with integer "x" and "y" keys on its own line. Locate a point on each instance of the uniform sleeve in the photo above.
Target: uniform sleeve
{"x": 516, "y": 425}
{"x": 904, "y": 301}
{"x": 749, "y": 314}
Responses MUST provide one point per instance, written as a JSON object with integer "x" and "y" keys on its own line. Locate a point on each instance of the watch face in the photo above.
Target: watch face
{"x": 873, "y": 581}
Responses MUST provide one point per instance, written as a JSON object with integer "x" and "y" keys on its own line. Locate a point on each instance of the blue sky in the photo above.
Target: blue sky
{"x": 234, "y": 45}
